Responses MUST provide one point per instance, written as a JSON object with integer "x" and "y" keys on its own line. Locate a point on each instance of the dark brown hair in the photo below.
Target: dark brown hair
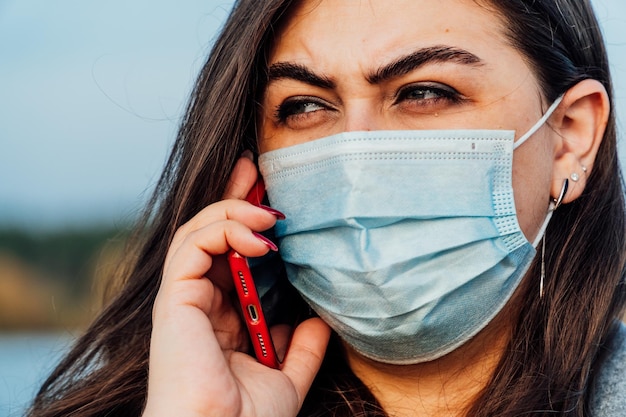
{"x": 547, "y": 368}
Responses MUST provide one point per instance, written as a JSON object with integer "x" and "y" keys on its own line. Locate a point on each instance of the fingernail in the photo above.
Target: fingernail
{"x": 278, "y": 214}
{"x": 248, "y": 154}
{"x": 265, "y": 240}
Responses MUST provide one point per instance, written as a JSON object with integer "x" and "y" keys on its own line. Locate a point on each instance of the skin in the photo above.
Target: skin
{"x": 196, "y": 364}
{"x": 498, "y": 91}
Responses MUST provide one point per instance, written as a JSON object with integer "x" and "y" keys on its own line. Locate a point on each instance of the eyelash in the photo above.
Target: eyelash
{"x": 294, "y": 108}
{"x": 288, "y": 110}
{"x": 443, "y": 92}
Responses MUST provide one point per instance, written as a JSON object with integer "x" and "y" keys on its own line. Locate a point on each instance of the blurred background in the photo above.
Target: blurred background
{"x": 91, "y": 95}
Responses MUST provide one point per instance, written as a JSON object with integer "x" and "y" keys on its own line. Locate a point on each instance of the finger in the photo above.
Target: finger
{"x": 305, "y": 354}
{"x": 254, "y": 217}
{"x": 227, "y": 210}
{"x": 242, "y": 178}
{"x": 194, "y": 255}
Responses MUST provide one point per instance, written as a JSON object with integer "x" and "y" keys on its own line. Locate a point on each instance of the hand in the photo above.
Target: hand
{"x": 197, "y": 364}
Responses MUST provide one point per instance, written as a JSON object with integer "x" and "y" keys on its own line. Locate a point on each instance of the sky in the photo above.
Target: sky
{"x": 91, "y": 95}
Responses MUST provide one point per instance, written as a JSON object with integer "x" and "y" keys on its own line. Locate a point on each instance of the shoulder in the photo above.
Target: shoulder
{"x": 608, "y": 398}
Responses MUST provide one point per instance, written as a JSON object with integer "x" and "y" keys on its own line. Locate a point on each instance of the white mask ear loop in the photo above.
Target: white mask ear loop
{"x": 519, "y": 143}
{"x": 539, "y": 123}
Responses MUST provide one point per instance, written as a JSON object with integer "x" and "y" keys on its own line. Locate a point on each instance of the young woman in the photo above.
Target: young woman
{"x": 453, "y": 211}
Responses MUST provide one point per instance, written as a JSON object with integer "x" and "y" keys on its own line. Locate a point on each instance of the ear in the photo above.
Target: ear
{"x": 579, "y": 126}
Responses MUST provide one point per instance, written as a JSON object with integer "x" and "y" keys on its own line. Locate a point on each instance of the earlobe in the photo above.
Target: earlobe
{"x": 579, "y": 124}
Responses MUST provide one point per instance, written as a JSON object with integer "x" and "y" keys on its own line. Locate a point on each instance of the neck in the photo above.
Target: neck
{"x": 444, "y": 387}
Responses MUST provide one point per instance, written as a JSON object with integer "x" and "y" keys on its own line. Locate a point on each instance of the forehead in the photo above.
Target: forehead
{"x": 363, "y": 29}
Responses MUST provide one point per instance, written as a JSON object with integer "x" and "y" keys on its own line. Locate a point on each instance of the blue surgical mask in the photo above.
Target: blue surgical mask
{"x": 406, "y": 243}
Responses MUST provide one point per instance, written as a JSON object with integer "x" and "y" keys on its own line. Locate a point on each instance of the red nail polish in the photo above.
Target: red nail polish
{"x": 278, "y": 214}
{"x": 265, "y": 240}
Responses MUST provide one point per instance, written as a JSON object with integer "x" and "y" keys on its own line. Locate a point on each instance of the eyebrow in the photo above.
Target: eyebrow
{"x": 421, "y": 57}
{"x": 397, "y": 68}
{"x": 298, "y": 72}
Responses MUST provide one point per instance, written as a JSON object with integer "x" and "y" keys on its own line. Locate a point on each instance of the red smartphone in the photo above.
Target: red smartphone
{"x": 249, "y": 299}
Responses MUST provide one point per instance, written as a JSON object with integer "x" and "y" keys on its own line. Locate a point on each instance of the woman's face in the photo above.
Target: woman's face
{"x": 342, "y": 65}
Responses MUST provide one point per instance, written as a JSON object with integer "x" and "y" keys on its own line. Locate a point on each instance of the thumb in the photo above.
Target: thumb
{"x": 305, "y": 355}
{"x": 242, "y": 178}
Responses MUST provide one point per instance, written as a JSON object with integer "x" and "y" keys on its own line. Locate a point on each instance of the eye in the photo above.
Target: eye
{"x": 427, "y": 96}
{"x": 302, "y": 111}
{"x": 295, "y": 107}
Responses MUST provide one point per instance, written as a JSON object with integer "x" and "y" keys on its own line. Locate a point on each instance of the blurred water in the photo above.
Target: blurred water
{"x": 26, "y": 359}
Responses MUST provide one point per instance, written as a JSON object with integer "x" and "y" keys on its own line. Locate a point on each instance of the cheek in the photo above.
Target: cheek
{"x": 267, "y": 141}
{"x": 272, "y": 139}
{"x": 532, "y": 173}
{"x": 269, "y": 135}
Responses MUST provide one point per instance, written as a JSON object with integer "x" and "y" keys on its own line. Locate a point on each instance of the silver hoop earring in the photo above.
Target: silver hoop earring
{"x": 557, "y": 201}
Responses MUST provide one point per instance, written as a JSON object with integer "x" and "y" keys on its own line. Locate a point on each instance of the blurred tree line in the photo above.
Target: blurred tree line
{"x": 50, "y": 279}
